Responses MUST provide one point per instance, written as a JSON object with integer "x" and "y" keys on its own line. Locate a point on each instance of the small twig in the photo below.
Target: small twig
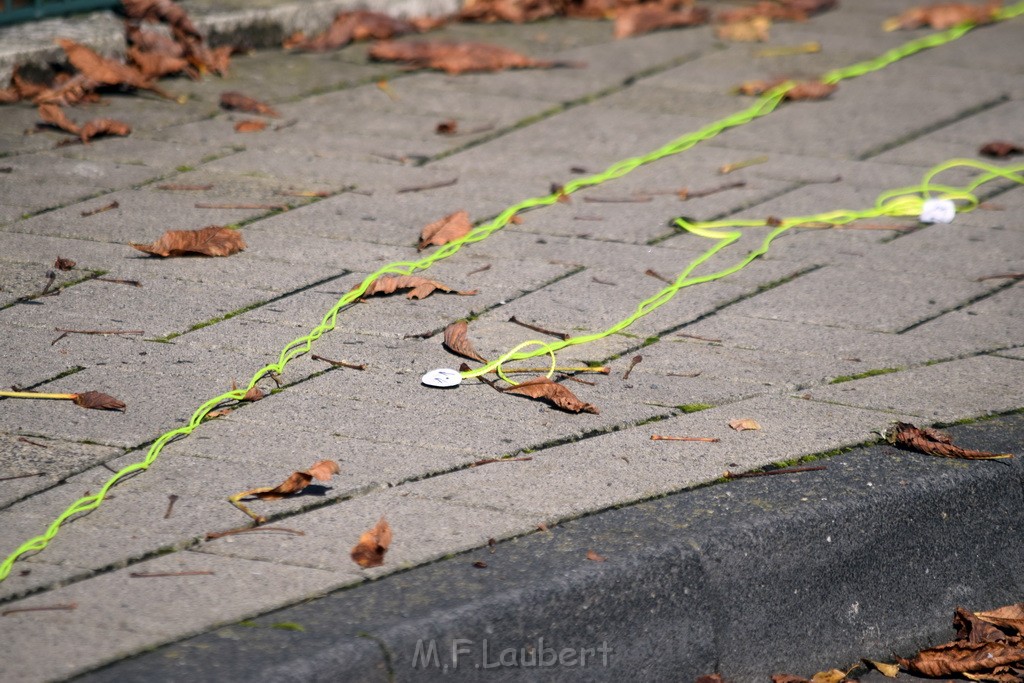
{"x": 479, "y": 270}
{"x": 601, "y": 370}
{"x": 429, "y": 186}
{"x": 1001, "y": 276}
{"x": 635, "y": 199}
{"x": 286, "y": 124}
{"x": 632, "y": 364}
{"x": 702, "y": 439}
{"x": 561, "y": 335}
{"x": 64, "y": 333}
{"x": 266, "y": 207}
{"x": 154, "y": 575}
{"x": 767, "y": 473}
{"x": 421, "y": 335}
{"x": 248, "y": 529}
{"x": 697, "y": 336}
{"x": 603, "y": 282}
{"x": 44, "y": 608}
{"x": 655, "y": 274}
{"x": 340, "y": 363}
{"x": 685, "y": 374}
{"x": 587, "y": 218}
{"x": 25, "y": 476}
{"x": 174, "y": 187}
{"x": 488, "y": 461}
{"x": 685, "y": 194}
{"x": 737, "y": 165}
{"x": 171, "y": 500}
{"x": 93, "y": 212}
{"x": 577, "y": 379}
{"x": 304, "y": 193}
{"x": 119, "y": 281}
{"x": 34, "y": 443}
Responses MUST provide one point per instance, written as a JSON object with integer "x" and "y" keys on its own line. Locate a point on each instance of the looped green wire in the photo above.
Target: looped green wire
{"x": 763, "y": 106}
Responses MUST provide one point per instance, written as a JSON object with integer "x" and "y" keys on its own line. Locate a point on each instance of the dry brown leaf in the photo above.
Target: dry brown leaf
{"x": 943, "y": 15}
{"x": 420, "y": 287}
{"x": 961, "y": 656}
{"x": 297, "y": 481}
{"x": 830, "y": 676}
{"x": 512, "y": 11}
{"x": 1009, "y": 617}
{"x": 105, "y": 71}
{"x": 324, "y": 470}
{"x": 887, "y": 670}
{"x": 972, "y": 629}
{"x": 455, "y": 58}
{"x": 24, "y": 89}
{"x": 593, "y": 556}
{"x": 236, "y": 101}
{"x": 754, "y": 30}
{"x": 1000, "y": 149}
{"x": 635, "y": 21}
{"x": 63, "y": 263}
{"x": 447, "y": 127}
{"x": 151, "y": 41}
{"x": 73, "y": 90}
{"x": 250, "y": 126}
{"x": 543, "y": 388}
{"x": 97, "y": 401}
{"x": 213, "y": 240}
{"x": 101, "y": 127}
{"x": 777, "y": 11}
{"x": 351, "y": 26}
{"x": 372, "y": 546}
{"x": 55, "y": 116}
{"x": 744, "y": 424}
{"x": 156, "y": 64}
{"x": 214, "y": 414}
{"x": 443, "y": 231}
{"x": 788, "y": 678}
{"x": 934, "y": 442}
{"x": 164, "y": 11}
{"x": 811, "y": 90}
{"x": 457, "y": 341}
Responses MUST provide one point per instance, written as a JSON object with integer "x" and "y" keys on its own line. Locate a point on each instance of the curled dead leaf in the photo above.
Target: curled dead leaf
{"x": 1010, "y": 617}
{"x": 999, "y": 149}
{"x": 372, "y": 546}
{"x": 811, "y": 90}
{"x": 744, "y": 424}
{"x": 98, "y": 401}
{"x": 961, "y": 656}
{"x": 447, "y": 127}
{"x": 543, "y": 388}
{"x": 54, "y": 115}
{"x": 296, "y": 482}
{"x": 830, "y": 676}
{"x": 102, "y": 127}
{"x": 213, "y": 240}
{"x": 972, "y": 629}
{"x": 753, "y": 30}
{"x": 933, "y": 442}
{"x": 250, "y": 126}
{"x": 105, "y": 71}
{"x": 640, "y": 19}
{"x": 420, "y": 287}
{"x": 943, "y": 15}
{"x": 236, "y": 101}
{"x": 351, "y": 26}
{"x": 887, "y": 670}
{"x": 63, "y": 263}
{"x": 156, "y": 64}
{"x": 593, "y": 556}
{"x": 165, "y": 11}
{"x": 455, "y": 58}
{"x": 457, "y": 341}
{"x": 443, "y": 231}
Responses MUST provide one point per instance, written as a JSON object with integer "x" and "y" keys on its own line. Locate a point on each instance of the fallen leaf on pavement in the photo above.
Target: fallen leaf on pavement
{"x": 744, "y": 424}
{"x": 973, "y": 629}
{"x": 803, "y": 90}
{"x": 236, "y": 101}
{"x": 457, "y": 341}
{"x": 351, "y": 26}
{"x": 830, "y": 676}
{"x": 101, "y": 127}
{"x": 512, "y": 11}
{"x": 213, "y": 240}
{"x": 447, "y": 127}
{"x": 1008, "y": 617}
{"x": 543, "y": 388}
{"x": 155, "y": 64}
{"x": 778, "y": 11}
{"x": 1000, "y": 149}
{"x": 321, "y": 471}
{"x": 106, "y": 71}
{"x": 97, "y": 401}
{"x": 443, "y": 231}
{"x": 962, "y": 656}
{"x": 943, "y": 15}
{"x": 420, "y": 287}
{"x": 593, "y": 556}
{"x": 455, "y": 58}
{"x": 54, "y": 115}
{"x": 63, "y": 263}
{"x": 164, "y": 11}
{"x": 250, "y": 126}
{"x": 369, "y": 552}
{"x": 640, "y": 19}
{"x": 887, "y": 670}
{"x": 754, "y": 30}
{"x": 934, "y": 442}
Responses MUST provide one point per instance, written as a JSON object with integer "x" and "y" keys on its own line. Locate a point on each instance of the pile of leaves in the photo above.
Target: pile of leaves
{"x": 150, "y": 55}
{"x": 989, "y": 646}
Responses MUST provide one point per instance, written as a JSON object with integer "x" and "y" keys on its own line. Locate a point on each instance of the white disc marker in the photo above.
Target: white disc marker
{"x": 442, "y": 378}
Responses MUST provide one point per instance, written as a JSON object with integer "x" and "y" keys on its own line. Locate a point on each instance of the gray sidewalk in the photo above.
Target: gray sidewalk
{"x": 907, "y": 317}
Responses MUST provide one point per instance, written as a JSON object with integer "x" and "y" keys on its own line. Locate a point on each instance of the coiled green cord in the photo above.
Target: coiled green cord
{"x": 764, "y": 105}
{"x": 907, "y": 201}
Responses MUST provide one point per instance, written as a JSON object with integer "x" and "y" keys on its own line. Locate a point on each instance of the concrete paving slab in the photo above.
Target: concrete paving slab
{"x": 938, "y": 393}
{"x": 50, "y": 460}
